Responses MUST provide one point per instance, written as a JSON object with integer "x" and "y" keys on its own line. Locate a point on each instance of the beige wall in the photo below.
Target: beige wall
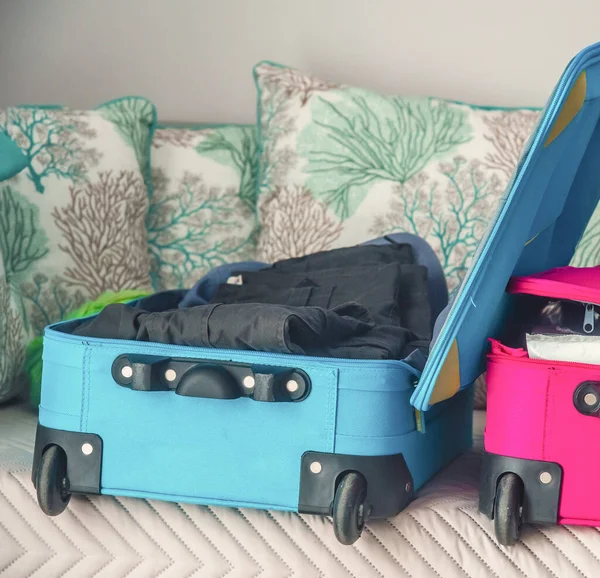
{"x": 194, "y": 57}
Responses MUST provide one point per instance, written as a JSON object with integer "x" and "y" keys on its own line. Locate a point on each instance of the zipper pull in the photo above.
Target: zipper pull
{"x": 588, "y": 318}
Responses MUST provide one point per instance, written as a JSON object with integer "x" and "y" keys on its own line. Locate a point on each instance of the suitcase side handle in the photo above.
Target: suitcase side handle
{"x": 209, "y": 378}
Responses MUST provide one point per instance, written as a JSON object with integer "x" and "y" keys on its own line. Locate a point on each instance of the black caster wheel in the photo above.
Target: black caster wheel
{"x": 349, "y": 508}
{"x": 508, "y": 509}
{"x": 52, "y": 484}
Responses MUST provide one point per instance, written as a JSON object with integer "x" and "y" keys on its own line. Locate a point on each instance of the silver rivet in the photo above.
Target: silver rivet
{"x": 408, "y": 487}
{"x": 249, "y": 382}
{"x": 292, "y": 386}
{"x": 126, "y": 371}
{"x": 545, "y": 477}
{"x": 170, "y": 375}
{"x": 590, "y": 399}
{"x": 87, "y": 449}
{"x": 316, "y": 467}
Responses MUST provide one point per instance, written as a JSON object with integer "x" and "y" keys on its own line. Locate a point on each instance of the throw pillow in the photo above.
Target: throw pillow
{"x": 341, "y": 165}
{"x": 203, "y": 201}
{"x": 72, "y": 222}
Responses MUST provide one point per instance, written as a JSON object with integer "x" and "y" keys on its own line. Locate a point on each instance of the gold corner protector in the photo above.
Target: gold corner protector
{"x": 571, "y": 106}
{"x": 448, "y": 381}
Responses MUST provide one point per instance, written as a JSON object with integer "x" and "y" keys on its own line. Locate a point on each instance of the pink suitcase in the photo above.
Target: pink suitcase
{"x": 542, "y": 462}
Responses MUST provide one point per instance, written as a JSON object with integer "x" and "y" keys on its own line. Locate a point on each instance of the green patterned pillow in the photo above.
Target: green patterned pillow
{"x": 203, "y": 202}
{"x": 72, "y": 222}
{"x": 341, "y": 165}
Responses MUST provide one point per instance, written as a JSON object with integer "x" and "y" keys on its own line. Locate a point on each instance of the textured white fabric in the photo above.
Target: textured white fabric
{"x": 571, "y": 348}
{"x": 441, "y": 534}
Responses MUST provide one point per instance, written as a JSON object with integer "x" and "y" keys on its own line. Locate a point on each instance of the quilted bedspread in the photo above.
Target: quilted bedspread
{"x": 441, "y": 534}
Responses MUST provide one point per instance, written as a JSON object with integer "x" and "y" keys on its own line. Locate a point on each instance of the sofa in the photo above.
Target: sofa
{"x": 112, "y": 200}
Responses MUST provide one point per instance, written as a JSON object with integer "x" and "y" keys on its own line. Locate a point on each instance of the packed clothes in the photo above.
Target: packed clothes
{"x": 399, "y": 253}
{"x": 365, "y": 302}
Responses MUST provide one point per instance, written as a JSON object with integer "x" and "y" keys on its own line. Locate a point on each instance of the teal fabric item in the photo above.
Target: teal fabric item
{"x": 12, "y": 160}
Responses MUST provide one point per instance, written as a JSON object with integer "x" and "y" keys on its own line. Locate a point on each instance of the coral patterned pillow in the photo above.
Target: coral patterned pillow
{"x": 72, "y": 223}
{"x": 203, "y": 202}
{"x": 341, "y": 165}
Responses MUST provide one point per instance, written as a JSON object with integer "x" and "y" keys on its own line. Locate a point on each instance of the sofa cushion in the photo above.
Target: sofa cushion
{"x": 203, "y": 201}
{"x": 72, "y": 222}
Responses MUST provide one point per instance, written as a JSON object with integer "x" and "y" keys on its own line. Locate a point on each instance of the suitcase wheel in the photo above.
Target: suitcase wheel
{"x": 52, "y": 484}
{"x": 349, "y": 508}
{"x": 508, "y": 509}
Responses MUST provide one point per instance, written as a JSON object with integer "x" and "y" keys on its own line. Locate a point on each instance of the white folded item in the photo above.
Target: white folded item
{"x": 571, "y": 348}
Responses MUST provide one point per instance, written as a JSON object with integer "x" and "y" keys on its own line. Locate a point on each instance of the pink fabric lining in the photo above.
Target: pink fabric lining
{"x": 571, "y": 283}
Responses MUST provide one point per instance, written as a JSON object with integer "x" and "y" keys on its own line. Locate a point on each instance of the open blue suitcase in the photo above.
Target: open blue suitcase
{"x": 352, "y": 439}
{"x": 340, "y": 437}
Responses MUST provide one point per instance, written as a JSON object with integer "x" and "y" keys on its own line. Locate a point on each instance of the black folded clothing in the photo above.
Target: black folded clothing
{"x": 393, "y": 294}
{"x": 365, "y": 302}
{"x": 345, "y": 332}
{"x": 298, "y": 296}
{"x": 400, "y": 253}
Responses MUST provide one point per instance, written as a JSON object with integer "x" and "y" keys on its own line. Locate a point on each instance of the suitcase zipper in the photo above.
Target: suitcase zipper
{"x": 588, "y": 318}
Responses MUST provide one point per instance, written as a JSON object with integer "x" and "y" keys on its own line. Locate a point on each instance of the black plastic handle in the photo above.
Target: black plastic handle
{"x": 210, "y": 378}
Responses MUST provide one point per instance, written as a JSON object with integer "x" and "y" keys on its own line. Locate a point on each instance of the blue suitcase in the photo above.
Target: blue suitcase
{"x": 340, "y": 438}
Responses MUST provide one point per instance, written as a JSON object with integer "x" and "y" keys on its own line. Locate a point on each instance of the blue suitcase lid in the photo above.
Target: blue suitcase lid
{"x": 548, "y": 203}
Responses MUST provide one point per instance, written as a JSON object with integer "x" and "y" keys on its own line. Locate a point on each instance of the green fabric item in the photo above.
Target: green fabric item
{"x": 12, "y": 159}
{"x": 33, "y": 354}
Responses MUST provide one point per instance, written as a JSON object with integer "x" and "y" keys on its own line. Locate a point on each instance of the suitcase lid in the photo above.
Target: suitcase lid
{"x": 544, "y": 213}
